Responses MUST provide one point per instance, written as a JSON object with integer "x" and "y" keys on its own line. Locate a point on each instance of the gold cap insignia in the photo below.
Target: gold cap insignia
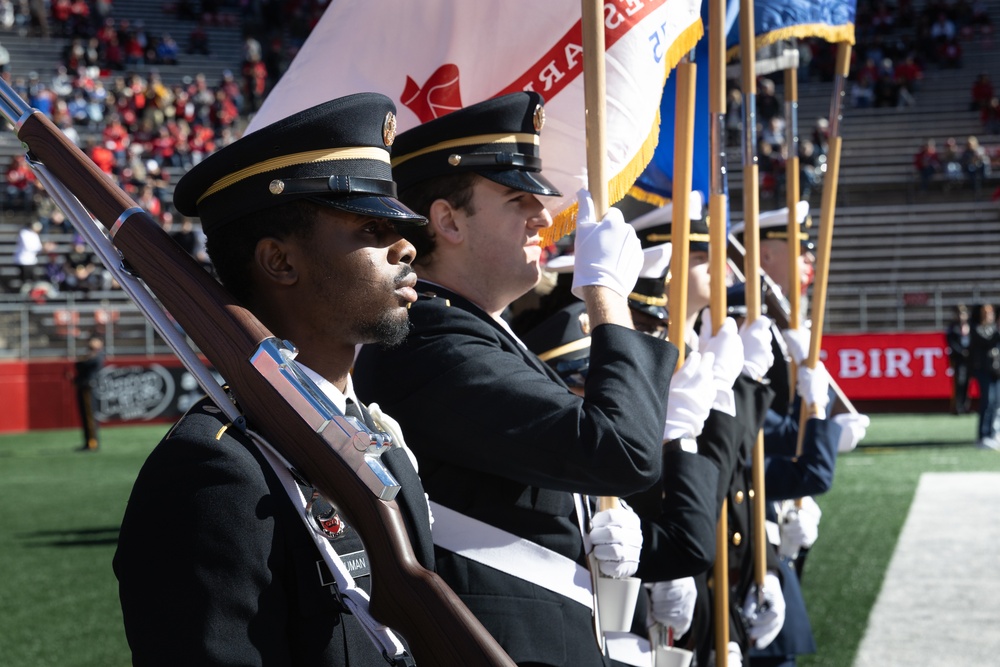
{"x": 454, "y": 159}
{"x": 389, "y": 129}
{"x": 539, "y": 117}
{"x": 276, "y": 187}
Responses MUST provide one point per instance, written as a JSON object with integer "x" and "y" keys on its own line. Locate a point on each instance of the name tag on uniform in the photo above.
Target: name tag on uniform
{"x": 355, "y": 562}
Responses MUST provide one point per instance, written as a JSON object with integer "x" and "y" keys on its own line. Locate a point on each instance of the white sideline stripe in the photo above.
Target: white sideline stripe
{"x": 940, "y": 600}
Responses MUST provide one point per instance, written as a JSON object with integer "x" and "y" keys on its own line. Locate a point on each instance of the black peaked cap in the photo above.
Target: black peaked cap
{"x": 336, "y": 153}
{"x": 497, "y": 139}
{"x": 697, "y": 235}
{"x": 563, "y": 342}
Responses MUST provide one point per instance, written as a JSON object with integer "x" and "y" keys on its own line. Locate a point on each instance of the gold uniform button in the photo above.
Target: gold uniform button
{"x": 739, "y": 497}
{"x": 751, "y": 494}
{"x": 737, "y": 538}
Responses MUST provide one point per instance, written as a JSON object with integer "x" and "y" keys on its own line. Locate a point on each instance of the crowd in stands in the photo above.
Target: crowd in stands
{"x": 772, "y": 149}
{"x": 895, "y": 45}
{"x": 971, "y": 164}
{"x": 135, "y": 127}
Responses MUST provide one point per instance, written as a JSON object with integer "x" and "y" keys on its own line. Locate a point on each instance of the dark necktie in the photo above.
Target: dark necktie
{"x": 354, "y": 410}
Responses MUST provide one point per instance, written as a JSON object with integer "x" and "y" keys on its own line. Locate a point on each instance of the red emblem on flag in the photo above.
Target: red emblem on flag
{"x": 439, "y": 96}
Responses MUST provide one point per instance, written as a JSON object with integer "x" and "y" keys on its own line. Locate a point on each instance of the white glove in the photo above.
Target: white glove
{"x": 735, "y": 657}
{"x": 671, "y": 603}
{"x": 764, "y": 621}
{"x": 389, "y": 425}
{"x": 692, "y": 390}
{"x": 728, "y": 349}
{"x": 813, "y": 387}
{"x": 617, "y": 539}
{"x": 757, "y": 353}
{"x": 853, "y": 427}
{"x": 608, "y": 253}
{"x": 800, "y": 528}
{"x": 797, "y": 341}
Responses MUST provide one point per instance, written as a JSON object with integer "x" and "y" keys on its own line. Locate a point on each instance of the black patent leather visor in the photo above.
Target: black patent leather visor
{"x": 379, "y": 207}
{"x": 528, "y": 181}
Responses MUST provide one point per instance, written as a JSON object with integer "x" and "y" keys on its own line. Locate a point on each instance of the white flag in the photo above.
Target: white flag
{"x": 435, "y": 56}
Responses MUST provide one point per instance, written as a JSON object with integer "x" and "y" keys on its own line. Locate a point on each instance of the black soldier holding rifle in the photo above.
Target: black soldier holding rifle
{"x": 340, "y": 455}
{"x": 236, "y": 578}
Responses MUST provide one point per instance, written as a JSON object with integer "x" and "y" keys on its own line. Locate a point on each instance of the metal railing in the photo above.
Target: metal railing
{"x": 59, "y": 327}
{"x": 909, "y": 307}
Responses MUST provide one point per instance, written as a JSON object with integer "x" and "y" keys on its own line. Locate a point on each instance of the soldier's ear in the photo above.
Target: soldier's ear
{"x": 275, "y": 260}
{"x": 445, "y": 222}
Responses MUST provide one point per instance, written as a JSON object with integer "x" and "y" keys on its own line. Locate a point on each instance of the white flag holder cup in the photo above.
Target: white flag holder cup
{"x": 616, "y": 600}
{"x": 665, "y": 655}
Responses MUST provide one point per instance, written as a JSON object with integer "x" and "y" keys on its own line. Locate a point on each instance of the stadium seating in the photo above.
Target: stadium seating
{"x": 902, "y": 257}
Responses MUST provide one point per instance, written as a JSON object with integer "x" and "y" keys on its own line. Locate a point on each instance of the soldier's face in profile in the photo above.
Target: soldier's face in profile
{"x": 774, "y": 261}
{"x": 357, "y": 269}
{"x": 699, "y": 281}
{"x": 503, "y": 234}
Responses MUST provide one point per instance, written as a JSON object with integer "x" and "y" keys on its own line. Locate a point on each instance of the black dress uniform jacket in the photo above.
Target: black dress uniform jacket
{"x": 752, "y": 400}
{"x": 679, "y": 535}
{"x": 216, "y": 567}
{"x": 500, "y": 438}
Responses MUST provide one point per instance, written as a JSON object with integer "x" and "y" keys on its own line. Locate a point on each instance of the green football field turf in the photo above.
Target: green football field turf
{"x": 62, "y": 509}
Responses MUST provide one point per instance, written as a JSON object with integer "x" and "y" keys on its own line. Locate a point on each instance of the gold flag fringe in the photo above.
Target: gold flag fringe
{"x": 645, "y": 196}
{"x": 829, "y": 33}
{"x": 564, "y": 222}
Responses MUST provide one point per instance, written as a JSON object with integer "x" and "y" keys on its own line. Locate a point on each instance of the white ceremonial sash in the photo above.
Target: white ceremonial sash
{"x": 629, "y": 648}
{"x": 510, "y": 554}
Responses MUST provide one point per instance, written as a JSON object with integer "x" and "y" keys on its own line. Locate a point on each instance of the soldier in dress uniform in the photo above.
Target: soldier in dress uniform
{"x": 679, "y": 513}
{"x": 699, "y": 451}
{"x": 214, "y": 563}
{"x": 519, "y": 448}
{"x": 792, "y": 474}
{"x": 737, "y": 417}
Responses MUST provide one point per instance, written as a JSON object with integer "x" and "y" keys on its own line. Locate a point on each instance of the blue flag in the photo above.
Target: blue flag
{"x": 775, "y": 20}
{"x": 831, "y": 20}
{"x": 655, "y": 184}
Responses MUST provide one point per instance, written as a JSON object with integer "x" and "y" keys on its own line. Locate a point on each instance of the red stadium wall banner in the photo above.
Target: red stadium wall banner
{"x": 40, "y": 394}
{"x": 889, "y": 366}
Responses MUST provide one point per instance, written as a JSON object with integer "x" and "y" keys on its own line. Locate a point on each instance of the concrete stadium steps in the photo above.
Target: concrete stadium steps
{"x": 879, "y": 144}
{"x": 893, "y": 266}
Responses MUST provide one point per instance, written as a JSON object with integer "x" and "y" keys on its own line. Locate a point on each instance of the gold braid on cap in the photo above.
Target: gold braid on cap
{"x": 784, "y": 235}
{"x": 323, "y": 155}
{"x": 660, "y": 301}
{"x": 516, "y": 138}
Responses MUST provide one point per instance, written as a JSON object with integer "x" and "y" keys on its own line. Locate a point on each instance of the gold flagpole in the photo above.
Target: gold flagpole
{"x": 828, "y": 206}
{"x": 792, "y": 191}
{"x": 794, "y": 295}
{"x": 717, "y": 272}
{"x": 680, "y": 229}
{"x": 752, "y": 260}
{"x": 595, "y": 96}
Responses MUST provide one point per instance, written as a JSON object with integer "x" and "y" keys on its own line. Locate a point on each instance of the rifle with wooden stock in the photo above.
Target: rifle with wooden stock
{"x": 336, "y": 456}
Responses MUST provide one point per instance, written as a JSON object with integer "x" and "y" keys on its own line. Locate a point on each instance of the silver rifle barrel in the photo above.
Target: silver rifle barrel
{"x": 112, "y": 259}
{"x": 13, "y": 108}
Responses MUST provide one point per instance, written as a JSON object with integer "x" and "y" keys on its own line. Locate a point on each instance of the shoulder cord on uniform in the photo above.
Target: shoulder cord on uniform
{"x": 353, "y": 598}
